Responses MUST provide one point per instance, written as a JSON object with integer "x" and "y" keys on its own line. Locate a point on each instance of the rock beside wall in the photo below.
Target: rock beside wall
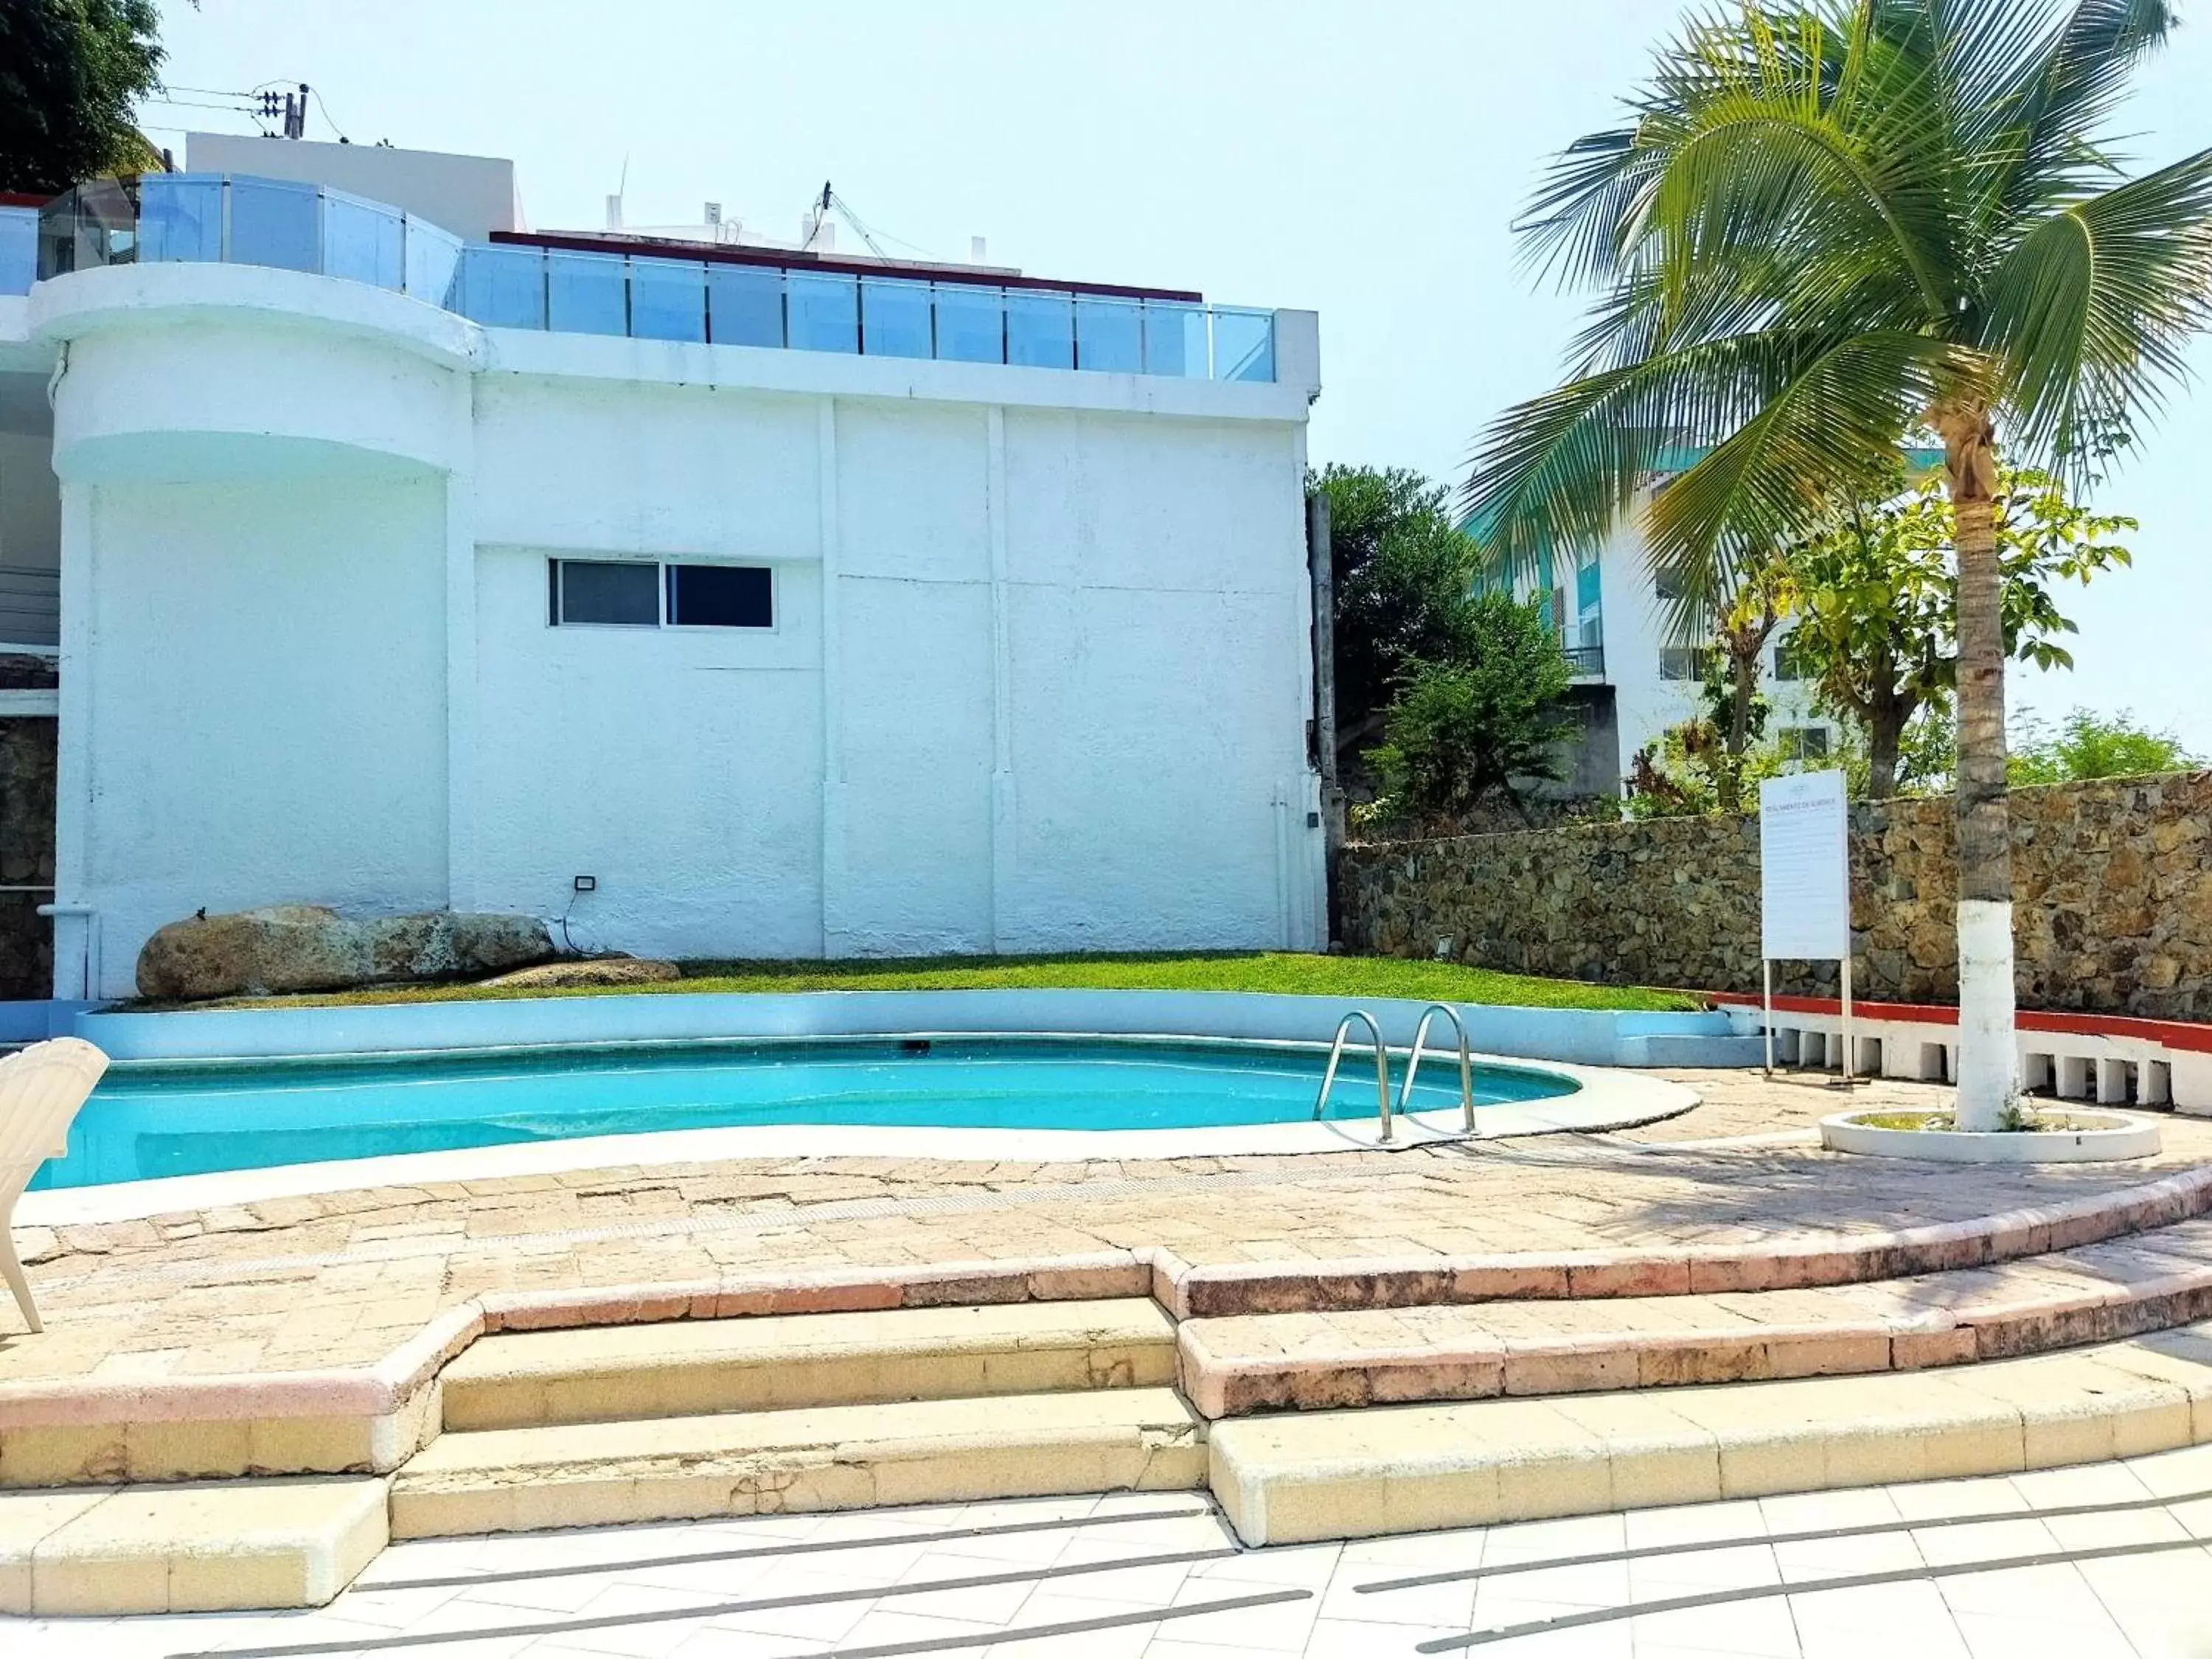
{"x": 2113, "y": 885}
{"x": 307, "y": 947}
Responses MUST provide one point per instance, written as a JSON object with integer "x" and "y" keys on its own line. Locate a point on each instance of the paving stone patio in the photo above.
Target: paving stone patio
{"x": 316, "y": 1284}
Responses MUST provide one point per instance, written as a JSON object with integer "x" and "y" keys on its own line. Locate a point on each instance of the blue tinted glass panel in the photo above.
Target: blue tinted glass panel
{"x": 273, "y": 222}
{"x": 895, "y": 319}
{"x": 585, "y": 294}
{"x": 606, "y": 593}
{"x": 971, "y": 323}
{"x": 1244, "y": 345}
{"x": 1586, "y": 588}
{"x": 744, "y": 305}
{"x": 434, "y": 258}
{"x": 1110, "y": 334}
{"x": 1175, "y": 338}
{"x": 667, "y": 300}
{"x": 1039, "y": 329}
{"x": 824, "y": 312}
{"x": 180, "y": 216}
{"x": 19, "y": 249}
{"x": 721, "y": 596}
{"x": 362, "y": 242}
{"x": 503, "y": 287}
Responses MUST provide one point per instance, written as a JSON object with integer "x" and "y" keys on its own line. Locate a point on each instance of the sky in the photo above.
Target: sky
{"x": 1363, "y": 160}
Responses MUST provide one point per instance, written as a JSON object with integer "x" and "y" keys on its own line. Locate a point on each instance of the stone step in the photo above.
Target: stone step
{"x": 207, "y": 1547}
{"x": 1322, "y": 1361}
{"x": 693, "y": 1368}
{"x": 1383, "y": 1469}
{"x": 830, "y": 1457}
{"x": 1789, "y": 1262}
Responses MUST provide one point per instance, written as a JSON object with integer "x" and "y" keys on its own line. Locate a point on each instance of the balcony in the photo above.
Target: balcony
{"x": 18, "y": 247}
{"x": 506, "y": 285}
{"x": 1586, "y": 662}
{"x": 215, "y": 218}
{"x": 295, "y": 227}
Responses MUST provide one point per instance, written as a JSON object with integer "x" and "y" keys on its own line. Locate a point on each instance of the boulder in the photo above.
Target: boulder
{"x": 283, "y": 948}
{"x": 595, "y": 971}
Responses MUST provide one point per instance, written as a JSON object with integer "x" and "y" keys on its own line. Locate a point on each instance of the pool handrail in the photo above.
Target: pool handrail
{"x": 1466, "y": 1062}
{"x": 1382, "y": 1067}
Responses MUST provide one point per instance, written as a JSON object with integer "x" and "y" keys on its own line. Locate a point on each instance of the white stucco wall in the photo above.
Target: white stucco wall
{"x": 260, "y": 697}
{"x": 1038, "y": 680}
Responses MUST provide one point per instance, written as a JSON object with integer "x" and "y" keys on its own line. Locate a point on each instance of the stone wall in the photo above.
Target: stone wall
{"x": 26, "y": 855}
{"x": 2113, "y": 886}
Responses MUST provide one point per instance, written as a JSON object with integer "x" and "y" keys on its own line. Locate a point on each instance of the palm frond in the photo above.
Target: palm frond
{"x": 1829, "y": 434}
{"x": 2092, "y": 310}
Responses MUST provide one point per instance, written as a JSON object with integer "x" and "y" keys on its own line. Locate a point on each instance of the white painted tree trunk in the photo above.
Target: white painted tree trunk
{"x": 1988, "y": 1054}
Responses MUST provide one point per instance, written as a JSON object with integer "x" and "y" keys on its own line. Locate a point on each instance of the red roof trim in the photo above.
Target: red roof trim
{"x": 17, "y": 198}
{"x": 790, "y": 260}
{"x": 2186, "y": 1034}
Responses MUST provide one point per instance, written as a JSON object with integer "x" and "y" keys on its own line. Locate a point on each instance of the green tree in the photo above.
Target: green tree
{"x": 2087, "y": 745}
{"x": 1479, "y": 720}
{"x": 1824, "y": 227}
{"x": 1404, "y": 575}
{"x": 1878, "y": 598}
{"x": 70, "y": 71}
{"x": 1764, "y": 596}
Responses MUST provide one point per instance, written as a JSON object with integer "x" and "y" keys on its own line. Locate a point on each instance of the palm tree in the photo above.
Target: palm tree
{"x": 1826, "y": 229}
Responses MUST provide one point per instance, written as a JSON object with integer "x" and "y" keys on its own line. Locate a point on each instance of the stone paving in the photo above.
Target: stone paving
{"x": 314, "y": 1284}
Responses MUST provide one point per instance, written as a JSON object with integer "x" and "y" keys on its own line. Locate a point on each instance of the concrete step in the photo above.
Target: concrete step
{"x": 692, "y": 1368}
{"x": 207, "y": 1547}
{"x": 1385, "y": 1469}
{"x": 830, "y": 1457}
{"x": 1320, "y": 1361}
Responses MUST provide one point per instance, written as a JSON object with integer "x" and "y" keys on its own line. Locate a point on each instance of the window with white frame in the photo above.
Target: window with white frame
{"x": 651, "y": 593}
{"x": 1803, "y": 742}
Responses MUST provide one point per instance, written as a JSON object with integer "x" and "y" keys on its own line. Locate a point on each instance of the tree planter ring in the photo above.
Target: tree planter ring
{"x": 2096, "y": 1137}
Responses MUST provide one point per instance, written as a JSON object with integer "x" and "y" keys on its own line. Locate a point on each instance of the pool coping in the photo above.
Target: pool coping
{"x": 1583, "y": 1037}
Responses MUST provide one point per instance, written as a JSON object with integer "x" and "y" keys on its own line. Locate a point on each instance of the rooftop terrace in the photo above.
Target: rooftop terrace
{"x": 579, "y": 284}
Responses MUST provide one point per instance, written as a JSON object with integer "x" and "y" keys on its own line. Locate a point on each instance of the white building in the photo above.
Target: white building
{"x": 1632, "y": 679}
{"x": 737, "y": 604}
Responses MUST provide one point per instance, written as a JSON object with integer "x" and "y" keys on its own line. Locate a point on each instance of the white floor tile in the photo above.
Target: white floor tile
{"x": 2000, "y": 1636}
{"x": 1815, "y": 1512}
{"x": 1984, "y": 1540}
{"x": 1764, "y": 1629}
{"x": 1996, "y": 1495}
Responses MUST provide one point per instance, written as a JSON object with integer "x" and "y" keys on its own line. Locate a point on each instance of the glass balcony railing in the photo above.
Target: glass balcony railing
{"x": 210, "y": 217}
{"x": 512, "y": 285}
{"x": 19, "y": 249}
{"x": 294, "y": 227}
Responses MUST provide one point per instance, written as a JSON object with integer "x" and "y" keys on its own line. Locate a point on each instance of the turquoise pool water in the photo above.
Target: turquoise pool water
{"x": 147, "y": 1122}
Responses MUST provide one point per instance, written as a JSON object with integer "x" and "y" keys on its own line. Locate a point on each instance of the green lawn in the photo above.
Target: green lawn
{"x": 1311, "y": 975}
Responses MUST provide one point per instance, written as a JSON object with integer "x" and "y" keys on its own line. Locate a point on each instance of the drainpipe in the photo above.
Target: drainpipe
{"x": 88, "y": 981}
{"x": 1320, "y": 569}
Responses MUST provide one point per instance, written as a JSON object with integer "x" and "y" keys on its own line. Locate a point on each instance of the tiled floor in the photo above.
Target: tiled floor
{"x": 2103, "y": 1559}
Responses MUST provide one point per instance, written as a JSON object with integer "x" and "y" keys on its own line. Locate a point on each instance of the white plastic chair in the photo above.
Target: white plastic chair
{"x": 41, "y": 1088}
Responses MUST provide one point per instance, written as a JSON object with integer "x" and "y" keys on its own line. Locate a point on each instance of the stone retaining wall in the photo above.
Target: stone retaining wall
{"x": 26, "y": 855}
{"x": 2112, "y": 883}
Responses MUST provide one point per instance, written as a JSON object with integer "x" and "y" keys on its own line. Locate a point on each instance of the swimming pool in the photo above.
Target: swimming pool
{"x": 148, "y": 1122}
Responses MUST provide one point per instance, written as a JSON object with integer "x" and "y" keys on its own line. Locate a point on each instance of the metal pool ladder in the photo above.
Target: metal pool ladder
{"x": 1465, "y": 1062}
{"x": 1381, "y": 1065}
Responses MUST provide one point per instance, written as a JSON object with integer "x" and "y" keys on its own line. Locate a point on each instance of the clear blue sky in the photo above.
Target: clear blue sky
{"x": 1364, "y": 161}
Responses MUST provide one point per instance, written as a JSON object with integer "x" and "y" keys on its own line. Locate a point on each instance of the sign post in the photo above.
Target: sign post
{"x": 1805, "y": 884}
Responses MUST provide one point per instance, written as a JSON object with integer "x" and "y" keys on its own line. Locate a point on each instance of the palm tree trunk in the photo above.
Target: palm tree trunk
{"x": 1988, "y": 1063}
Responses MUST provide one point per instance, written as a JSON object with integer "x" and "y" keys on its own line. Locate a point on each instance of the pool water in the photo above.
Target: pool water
{"x": 145, "y": 1122}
